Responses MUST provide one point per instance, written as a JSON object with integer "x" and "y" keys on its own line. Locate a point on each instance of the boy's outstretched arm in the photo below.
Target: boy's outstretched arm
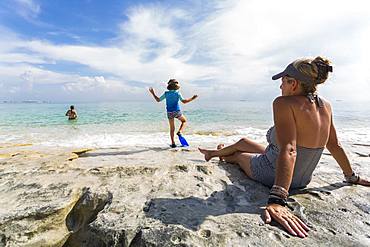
{"x": 151, "y": 90}
{"x": 190, "y": 99}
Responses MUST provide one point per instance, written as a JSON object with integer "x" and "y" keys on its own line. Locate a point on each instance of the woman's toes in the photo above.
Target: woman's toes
{"x": 206, "y": 153}
{"x": 220, "y": 146}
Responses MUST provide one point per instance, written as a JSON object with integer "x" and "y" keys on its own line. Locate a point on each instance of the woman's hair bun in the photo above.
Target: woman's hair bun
{"x": 323, "y": 68}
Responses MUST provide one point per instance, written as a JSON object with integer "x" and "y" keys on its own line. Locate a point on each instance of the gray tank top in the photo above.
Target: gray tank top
{"x": 306, "y": 160}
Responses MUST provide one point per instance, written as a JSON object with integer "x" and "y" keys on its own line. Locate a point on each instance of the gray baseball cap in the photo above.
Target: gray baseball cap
{"x": 291, "y": 71}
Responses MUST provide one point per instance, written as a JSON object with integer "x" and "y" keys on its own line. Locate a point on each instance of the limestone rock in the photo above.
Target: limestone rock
{"x": 144, "y": 196}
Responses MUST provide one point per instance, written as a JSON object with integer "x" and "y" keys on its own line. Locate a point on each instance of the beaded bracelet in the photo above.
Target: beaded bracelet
{"x": 278, "y": 195}
{"x": 279, "y": 191}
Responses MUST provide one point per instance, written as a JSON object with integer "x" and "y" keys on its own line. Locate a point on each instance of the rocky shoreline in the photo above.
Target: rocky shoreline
{"x": 161, "y": 197}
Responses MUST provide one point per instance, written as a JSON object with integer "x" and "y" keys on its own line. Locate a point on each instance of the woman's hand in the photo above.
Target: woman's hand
{"x": 287, "y": 219}
{"x": 151, "y": 90}
{"x": 194, "y": 97}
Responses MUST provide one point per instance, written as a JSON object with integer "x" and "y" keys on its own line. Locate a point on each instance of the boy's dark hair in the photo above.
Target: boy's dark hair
{"x": 173, "y": 84}
{"x": 72, "y": 107}
{"x": 172, "y": 81}
{"x": 173, "y": 87}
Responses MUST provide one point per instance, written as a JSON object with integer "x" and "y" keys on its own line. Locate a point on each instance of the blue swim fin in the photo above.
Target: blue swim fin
{"x": 182, "y": 140}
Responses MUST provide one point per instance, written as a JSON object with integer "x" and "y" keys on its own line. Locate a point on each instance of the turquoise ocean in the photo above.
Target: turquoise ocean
{"x": 127, "y": 124}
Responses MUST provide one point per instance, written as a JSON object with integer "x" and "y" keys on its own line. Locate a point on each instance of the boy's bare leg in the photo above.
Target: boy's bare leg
{"x": 183, "y": 123}
{"x": 172, "y": 130}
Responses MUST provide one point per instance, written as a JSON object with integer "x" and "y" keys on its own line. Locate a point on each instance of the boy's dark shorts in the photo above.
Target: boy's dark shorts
{"x": 174, "y": 114}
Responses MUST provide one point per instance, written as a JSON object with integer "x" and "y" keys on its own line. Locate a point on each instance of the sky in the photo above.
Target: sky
{"x": 113, "y": 50}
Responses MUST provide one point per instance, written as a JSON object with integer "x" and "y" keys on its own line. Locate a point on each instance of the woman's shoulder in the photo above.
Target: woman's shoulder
{"x": 293, "y": 100}
{"x": 327, "y": 104}
{"x": 325, "y": 101}
{"x": 283, "y": 105}
{"x": 282, "y": 101}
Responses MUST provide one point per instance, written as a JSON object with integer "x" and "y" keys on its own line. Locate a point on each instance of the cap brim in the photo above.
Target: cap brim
{"x": 291, "y": 71}
{"x": 278, "y": 76}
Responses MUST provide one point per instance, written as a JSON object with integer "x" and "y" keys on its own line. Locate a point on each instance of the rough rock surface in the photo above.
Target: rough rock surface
{"x": 160, "y": 197}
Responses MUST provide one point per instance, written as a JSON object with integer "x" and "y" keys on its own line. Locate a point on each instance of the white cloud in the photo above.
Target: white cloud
{"x": 21, "y": 58}
{"x": 267, "y": 33}
{"x": 28, "y": 9}
{"x": 231, "y": 51}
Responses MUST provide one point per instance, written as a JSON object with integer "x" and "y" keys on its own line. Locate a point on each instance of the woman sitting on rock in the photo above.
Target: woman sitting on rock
{"x": 303, "y": 127}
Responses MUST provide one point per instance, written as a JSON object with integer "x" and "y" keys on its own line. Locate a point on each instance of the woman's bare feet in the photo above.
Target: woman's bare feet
{"x": 207, "y": 153}
{"x": 220, "y": 146}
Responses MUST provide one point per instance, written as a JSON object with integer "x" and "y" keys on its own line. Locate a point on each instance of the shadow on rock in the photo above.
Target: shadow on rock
{"x": 192, "y": 211}
{"x": 243, "y": 196}
{"x": 327, "y": 189}
{"x": 82, "y": 214}
{"x": 114, "y": 153}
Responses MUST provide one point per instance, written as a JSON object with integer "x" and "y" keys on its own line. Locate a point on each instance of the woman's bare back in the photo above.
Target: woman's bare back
{"x": 312, "y": 120}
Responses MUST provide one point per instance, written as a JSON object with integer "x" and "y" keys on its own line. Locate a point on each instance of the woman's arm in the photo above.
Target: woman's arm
{"x": 336, "y": 149}
{"x": 151, "y": 90}
{"x": 286, "y": 135}
{"x": 189, "y": 99}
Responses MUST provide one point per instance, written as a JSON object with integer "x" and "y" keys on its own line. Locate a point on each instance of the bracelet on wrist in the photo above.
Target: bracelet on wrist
{"x": 278, "y": 195}
{"x": 279, "y": 191}
{"x": 276, "y": 200}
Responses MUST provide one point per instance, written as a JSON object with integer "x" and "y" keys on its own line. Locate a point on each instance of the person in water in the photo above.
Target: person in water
{"x": 173, "y": 97}
{"x": 71, "y": 113}
{"x": 303, "y": 127}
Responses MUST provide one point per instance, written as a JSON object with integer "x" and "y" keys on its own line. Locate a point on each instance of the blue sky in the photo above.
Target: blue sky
{"x": 91, "y": 50}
